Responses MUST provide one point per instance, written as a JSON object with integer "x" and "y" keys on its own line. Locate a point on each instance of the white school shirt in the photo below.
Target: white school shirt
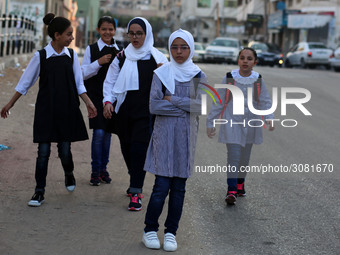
{"x": 91, "y": 69}
{"x": 31, "y": 74}
{"x": 111, "y": 78}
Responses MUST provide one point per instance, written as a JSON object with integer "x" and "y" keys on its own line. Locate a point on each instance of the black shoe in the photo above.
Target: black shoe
{"x": 231, "y": 197}
{"x": 135, "y": 202}
{"x": 95, "y": 181}
{"x": 105, "y": 177}
{"x": 70, "y": 182}
{"x": 37, "y": 199}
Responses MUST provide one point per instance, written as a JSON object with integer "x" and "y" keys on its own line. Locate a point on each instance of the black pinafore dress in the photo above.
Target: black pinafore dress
{"x": 94, "y": 85}
{"x": 57, "y": 115}
{"x": 134, "y": 121}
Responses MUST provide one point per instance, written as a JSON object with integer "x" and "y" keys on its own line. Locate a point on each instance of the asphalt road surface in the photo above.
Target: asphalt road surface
{"x": 283, "y": 213}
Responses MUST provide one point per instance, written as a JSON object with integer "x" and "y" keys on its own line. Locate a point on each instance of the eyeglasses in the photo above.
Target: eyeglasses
{"x": 183, "y": 47}
{"x": 137, "y": 34}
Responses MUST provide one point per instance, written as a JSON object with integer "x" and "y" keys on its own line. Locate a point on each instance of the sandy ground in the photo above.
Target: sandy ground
{"x": 91, "y": 220}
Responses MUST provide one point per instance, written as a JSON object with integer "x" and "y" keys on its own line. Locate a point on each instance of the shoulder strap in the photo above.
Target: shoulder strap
{"x": 93, "y": 50}
{"x": 42, "y": 54}
{"x": 71, "y": 53}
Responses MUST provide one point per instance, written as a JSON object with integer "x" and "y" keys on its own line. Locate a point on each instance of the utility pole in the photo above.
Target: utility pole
{"x": 217, "y": 19}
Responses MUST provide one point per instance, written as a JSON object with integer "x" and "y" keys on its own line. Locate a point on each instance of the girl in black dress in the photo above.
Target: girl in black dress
{"x": 97, "y": 59}
{"x": 57, "y": 115}
{"x": 127, "y": 92}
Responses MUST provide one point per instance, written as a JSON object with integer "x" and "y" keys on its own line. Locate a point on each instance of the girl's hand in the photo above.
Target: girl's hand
{"x": 92, "y": 110}
{"x": 211, "y": 132}
{"x": 271, "y": 125}
{"x": 5, "y": 110}
{"x": 167, "y": 98}
{"x": 104, "y": 59}
{"x": 108, "y": 110}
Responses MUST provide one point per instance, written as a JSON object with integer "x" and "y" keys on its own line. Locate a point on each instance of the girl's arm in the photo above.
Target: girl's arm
{"x": 78, "y": 76}
{"x": 91, "y": 69}
{"x": 189, "y": 104}
{"x": 30, "y": 76}
{"x": 27, "y": 80}
{"x": 9, "y": 105}
{"x": 160, "y": 105}
{"x": 109, "y": 82}
{"x": 91, "y": 109}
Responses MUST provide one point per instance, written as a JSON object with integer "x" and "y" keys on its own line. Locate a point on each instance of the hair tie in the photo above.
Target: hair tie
{"x": 51, "y": 21}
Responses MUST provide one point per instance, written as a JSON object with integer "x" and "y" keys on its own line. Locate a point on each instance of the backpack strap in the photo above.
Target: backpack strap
{"x": 121, "y": 58}
{"x": 257, "y": 89}
{"x": 228, "y": 95}
{"x": 230, "y": 80}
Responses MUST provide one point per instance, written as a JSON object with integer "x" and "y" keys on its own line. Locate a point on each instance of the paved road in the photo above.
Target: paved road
{"x": 288, "y": 213}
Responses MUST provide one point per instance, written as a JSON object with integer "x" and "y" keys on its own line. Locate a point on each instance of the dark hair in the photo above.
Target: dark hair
{"x": 138, "y": 21}
{"x": 248, "y": 48}
{"x": 107, "y": 19}
{"x": 55, "y": 24}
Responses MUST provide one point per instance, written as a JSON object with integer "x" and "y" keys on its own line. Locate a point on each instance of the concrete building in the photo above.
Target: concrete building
{"x": 207, "y": 19}
{"x": 287, "y": 22}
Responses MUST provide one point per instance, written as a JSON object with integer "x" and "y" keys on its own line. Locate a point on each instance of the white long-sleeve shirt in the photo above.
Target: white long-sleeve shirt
{"x": 111, "y": 78}
{"x": 91, "y": 69}
{"x": 31, "y": 74}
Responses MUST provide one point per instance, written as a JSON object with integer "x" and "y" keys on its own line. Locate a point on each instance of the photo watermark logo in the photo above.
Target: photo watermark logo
{"x": 238, "y": 105}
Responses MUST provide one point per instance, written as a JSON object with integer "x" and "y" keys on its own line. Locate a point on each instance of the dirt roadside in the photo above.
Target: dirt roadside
{"x": 91, "y": 220}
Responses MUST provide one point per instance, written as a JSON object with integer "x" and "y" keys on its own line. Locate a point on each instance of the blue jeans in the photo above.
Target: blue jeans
{"x": 160, "y": 191}
{"x": 237, "y": 156}
{"x": 44, "y": 151}
{"x": 100, "y": 150}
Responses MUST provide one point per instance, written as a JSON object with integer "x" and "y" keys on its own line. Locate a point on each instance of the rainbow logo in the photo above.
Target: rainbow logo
{"x": 210, "y": 94}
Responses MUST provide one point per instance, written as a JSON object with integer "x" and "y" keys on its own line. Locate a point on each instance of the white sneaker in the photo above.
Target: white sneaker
{"x": 170, "y": 243}
{"x": 151, "y": 241}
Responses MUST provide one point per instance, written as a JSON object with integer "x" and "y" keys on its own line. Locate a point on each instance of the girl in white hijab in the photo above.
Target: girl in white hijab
{"x": 175, "y": 98}
{"x": 126, "y": 91}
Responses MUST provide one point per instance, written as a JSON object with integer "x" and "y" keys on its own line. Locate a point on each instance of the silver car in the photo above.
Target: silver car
{"x": 308, "y": 54}
{"x": 223, "y": 49}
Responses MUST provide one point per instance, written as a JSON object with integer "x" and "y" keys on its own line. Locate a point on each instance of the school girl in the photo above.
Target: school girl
{"x": 240, "y": 138}
{"x": 126, "y": 92}
{"x": 57, "y": 115}
{"x": 96, "y": 62}
{"x": 175, "y": 99}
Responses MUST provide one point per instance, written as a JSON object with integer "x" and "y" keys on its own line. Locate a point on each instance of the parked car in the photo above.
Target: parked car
{"x": 308, "y": 54}
{"x": 223, "y": 49}
{"x": 199, "y": 52}
{"x": 267, "y": 53}
{"x": 335, "y": 60}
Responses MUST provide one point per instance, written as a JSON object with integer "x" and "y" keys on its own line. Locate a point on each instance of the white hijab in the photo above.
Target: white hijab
{"x": 128, "y": 75}
{"x": 172, "y": 71}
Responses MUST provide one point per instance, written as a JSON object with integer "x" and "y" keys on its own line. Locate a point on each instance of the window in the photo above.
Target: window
{"x": 230, "y": 3}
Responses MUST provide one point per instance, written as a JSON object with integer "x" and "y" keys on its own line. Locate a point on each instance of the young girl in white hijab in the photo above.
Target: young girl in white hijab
{"x": 126, "y": 91}
{"x": 176, "y": 100}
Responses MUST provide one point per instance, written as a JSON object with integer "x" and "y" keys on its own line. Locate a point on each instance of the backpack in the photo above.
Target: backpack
{"x": 228, "y": 96}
